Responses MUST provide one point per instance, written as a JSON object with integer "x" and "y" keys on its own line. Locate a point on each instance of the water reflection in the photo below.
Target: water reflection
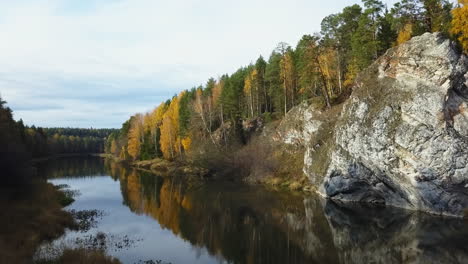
{"x": 396, "y": 236}
{"x": 72, "y": 167}
{"x": 245, "y": 224}
{"x": 251, "y": 225}
{"x": 239, "y": 223}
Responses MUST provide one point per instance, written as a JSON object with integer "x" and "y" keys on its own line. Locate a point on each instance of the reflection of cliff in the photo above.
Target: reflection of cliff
{"x": 250, "y": 225}
{"x": 391, "y": 235}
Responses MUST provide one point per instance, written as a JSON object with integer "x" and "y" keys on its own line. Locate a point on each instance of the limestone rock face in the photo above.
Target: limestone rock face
{"x": 402, "y": 137}
{"x": 307, "y": 127}
{"x": 299, "y": 125}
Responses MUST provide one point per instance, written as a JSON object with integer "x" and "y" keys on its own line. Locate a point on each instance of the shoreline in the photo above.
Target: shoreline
{"x": 38, "y": 211}
{"x": 165, "y": 168}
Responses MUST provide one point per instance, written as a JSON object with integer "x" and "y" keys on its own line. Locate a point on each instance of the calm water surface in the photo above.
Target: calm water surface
{"x": 178, "y": 222}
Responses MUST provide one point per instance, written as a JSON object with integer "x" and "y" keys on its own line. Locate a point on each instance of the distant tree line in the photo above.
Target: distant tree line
{"x": 19, "y": 144}
{"x": 320, "y": 69}
{"x": 79, "y": 132}
{"x": 42, "y": 142}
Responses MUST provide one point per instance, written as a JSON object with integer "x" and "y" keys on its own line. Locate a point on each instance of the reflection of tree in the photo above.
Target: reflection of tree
{"x": 83, "y": 166}
{"x": 244, "y": 224}
{"x": 241, "y": 225}
{"x": 250, "y": 225}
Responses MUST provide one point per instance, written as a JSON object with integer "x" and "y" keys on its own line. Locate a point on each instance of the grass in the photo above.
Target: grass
{"x": 32, "y": 214}
{"x": 65, "y": 197}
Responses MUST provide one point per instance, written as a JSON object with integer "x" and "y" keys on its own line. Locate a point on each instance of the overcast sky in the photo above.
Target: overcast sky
{"x": 93, "y": 63}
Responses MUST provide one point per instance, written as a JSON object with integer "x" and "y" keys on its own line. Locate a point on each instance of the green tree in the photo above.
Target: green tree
{"x": 272, "y": 78}
{"x": 263, "y": 98}
{"x": 437, "y": 15}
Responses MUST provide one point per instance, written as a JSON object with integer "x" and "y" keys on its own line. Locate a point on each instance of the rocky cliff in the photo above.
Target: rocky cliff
{"x": 401, "y": 139}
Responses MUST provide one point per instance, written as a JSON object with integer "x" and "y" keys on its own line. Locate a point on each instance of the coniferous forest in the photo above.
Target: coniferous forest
{"x": 320, "y": 69}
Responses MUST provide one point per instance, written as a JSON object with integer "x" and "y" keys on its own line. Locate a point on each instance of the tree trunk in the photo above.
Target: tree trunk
{"x": 285, "y": 97}
{"x": 339, "y": 74}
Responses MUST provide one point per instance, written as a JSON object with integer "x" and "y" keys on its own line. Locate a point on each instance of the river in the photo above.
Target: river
{"x": 148, "y": 218}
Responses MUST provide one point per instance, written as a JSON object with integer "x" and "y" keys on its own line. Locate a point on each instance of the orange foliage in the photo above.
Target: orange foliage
{"x": 460, "y": 24}
{"x": 405, "y": 33}
{"x": 170, "y": 141}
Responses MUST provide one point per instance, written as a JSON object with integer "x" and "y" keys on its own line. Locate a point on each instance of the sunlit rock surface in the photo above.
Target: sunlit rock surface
{"x": 401, "y": 139}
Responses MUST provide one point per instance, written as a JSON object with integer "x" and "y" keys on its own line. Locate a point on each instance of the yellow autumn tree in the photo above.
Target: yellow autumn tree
{"x": 154, "y": 122}
{"x": 351, "y": 73}
{"x": 405, "y": 33}
{"x": 248, "y": 93}
{"x": 327, "y": 64}
{"x": 114, "y": 147}
{"x": 124, "y": 153}
{"x": 186, "y": 143}
{"x": 135, "y": 136}
{"x": 147, "y": 123}
{"x": 217, "y": 90}
{"x": 459, "y": 27}
{"x": 156, "y": 116}
{"x": 169, "y": 141}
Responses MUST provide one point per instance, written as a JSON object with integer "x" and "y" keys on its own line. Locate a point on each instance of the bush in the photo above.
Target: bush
{"x": 239, "y": 161}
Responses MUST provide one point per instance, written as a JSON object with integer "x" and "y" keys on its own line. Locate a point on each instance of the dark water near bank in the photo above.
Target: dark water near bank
{"x": 146, "y": 217}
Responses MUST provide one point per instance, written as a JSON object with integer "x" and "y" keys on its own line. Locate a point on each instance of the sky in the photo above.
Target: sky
{"x": 94, "y": 63}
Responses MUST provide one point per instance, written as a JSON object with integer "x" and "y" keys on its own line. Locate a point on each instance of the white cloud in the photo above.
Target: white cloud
{"x": 63, "y": 52}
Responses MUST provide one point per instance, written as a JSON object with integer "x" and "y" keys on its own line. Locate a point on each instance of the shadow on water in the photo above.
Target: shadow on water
{"x": 250, "y": 224}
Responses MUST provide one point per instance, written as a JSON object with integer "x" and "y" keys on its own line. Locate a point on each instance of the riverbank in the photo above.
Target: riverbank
{"x": 240, "y": 223}
{"x": 160, "y": 167}
{"x": 33, "y": 215}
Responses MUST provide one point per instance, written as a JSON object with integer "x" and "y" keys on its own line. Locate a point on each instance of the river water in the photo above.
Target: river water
{"x": 149, "y": 218}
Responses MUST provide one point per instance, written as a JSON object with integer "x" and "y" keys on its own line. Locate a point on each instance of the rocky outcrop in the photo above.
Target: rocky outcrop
{"x": 402, "y": 137}
{"x": 300, "y": 125}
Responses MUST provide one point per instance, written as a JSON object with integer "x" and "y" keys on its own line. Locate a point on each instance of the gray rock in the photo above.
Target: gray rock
{"x": 299, "y": 125}
{"x": 402, "y": 137}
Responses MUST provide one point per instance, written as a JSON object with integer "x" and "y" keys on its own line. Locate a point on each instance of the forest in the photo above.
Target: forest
{"x": 19, "y": 144}
{"x": 42, "y": 142}
{"x": 320, "y": 69}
